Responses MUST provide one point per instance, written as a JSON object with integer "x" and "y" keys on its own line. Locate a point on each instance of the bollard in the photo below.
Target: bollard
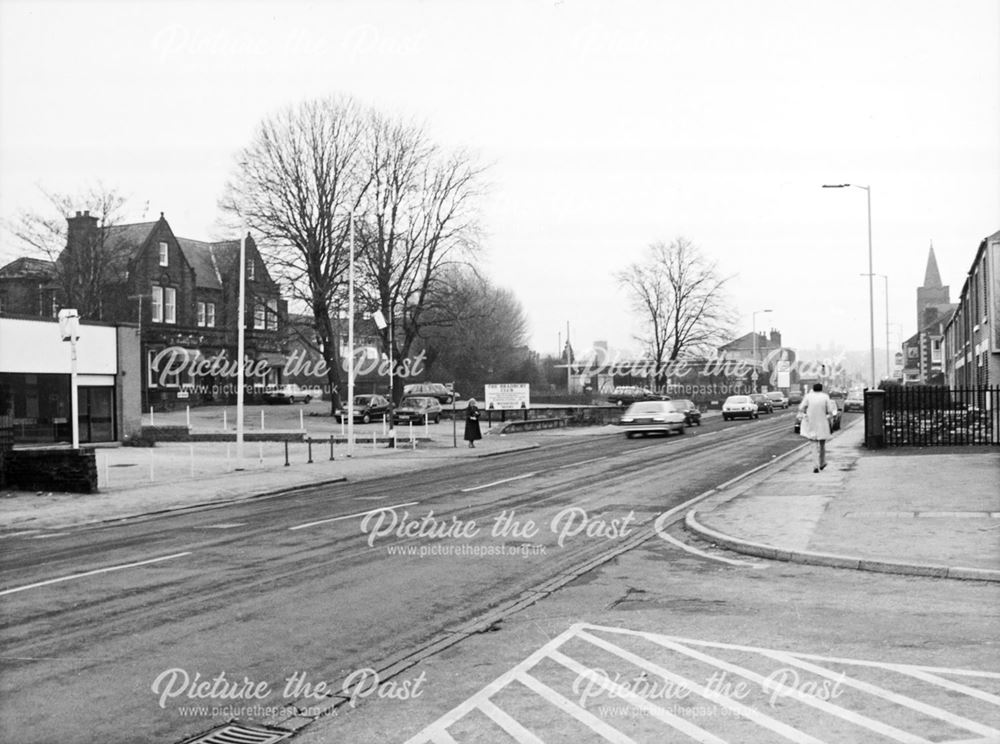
{"x": 187, "y": 415}
{"x": 151, "y": 421}
{"x": 225, "y": 423}
{"x": 310, "y": 451}
{"x": 331, "y": 446}
{"x": 286, "y": 453}
{"x": 302, "y": 424}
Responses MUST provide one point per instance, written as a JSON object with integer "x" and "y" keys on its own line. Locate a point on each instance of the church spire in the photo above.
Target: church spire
{"x": 932, "y": 277}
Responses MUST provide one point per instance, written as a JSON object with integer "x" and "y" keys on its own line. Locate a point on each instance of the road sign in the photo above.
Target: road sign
{"x": 508, "y": 396}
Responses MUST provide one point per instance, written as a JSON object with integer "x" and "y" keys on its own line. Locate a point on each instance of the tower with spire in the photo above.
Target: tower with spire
{"x": 933, "y": 298}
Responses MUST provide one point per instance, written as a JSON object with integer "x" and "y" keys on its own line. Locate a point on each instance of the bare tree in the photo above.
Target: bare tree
{"x": 86, "y": 268}
{"x": 296, "y": 185}
{"x": 681, "y": 297}
{"x": 420, "y": 219}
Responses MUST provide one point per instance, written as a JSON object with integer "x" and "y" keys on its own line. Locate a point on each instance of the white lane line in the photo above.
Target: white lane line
{"x": 674, "y": 721}
{"x": 948, "y": 684}
{"x": 691, "y": 549}
{"x": 583, "y": 462}
{"x": 352, "y": 516}
{"x": 93, "y": 573}
{"x": 497, "y": 483}
{"x": 761, "y": 719}
{"x": 893, "y": 697}
{"x": 443, "y": 737}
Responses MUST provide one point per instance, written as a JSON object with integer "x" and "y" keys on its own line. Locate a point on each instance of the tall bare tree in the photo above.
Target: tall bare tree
{"x": 84, "y": 271}
{"x": 681, "y": 298}
{"x": 295, "y": 185}
{"x": 420, "y": 219}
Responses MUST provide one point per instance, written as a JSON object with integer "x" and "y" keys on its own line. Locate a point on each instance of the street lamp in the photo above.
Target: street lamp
{"x": 871, "y": 274}
{"x": 69, "y": 330}
{"x": 754, "y": 315}
{"x": 888, "y": 369}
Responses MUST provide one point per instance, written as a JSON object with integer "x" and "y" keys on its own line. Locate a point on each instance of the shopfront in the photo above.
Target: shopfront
{"x": 35, "y": 367}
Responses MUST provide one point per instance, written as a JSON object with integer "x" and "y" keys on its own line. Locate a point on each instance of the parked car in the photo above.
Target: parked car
{"x": 648, "y": 416}
{"x": 834, "y": 422}
{"x": 627, "y": 394}
{"x": 737, "y": 406}
{"x": 777, "y": 398}
{"x": 432, "y": 389}
{"x": 290, "y": 393}
{"x": 417, "y": 409}
{"x": 794, "y": 397}
{"x": 855, "y": 401}
{"x": 763, "y": 402}
{"x": 367, "y": 408}
{"x": 692, "y": 414}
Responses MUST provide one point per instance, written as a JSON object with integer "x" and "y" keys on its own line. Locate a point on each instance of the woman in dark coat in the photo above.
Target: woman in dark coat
{"x": 472, "y": 432}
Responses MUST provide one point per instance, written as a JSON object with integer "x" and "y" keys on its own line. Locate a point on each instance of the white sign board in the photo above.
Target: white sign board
{"x": 509, "y": 396}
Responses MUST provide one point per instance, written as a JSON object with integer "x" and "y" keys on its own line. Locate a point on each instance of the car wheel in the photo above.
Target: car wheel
{"x": 306, "y": 400}
{"x": 681, "y": 430}
{"x": 366, "y": 419}
{"x": 756, "y": 415}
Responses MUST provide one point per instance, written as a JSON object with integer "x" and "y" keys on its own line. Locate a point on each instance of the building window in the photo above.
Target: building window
{"x": 169, "y": 305}
{"x": 157, "y": 309}
{"x": 201, "y": 314}
{"x": 164, "y": 254}
{"x": 936, "y": 349}
{"x": 272, "y": 315}
{"x": 210, "y": 314}
{"x": 250, "y": 268}
{"x": 258, "y": 315}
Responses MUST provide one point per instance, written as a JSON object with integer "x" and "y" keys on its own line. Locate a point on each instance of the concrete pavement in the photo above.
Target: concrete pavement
{"x": 922, "y": 512}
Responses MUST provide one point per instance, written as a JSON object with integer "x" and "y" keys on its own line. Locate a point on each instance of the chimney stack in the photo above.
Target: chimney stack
{"x": 775, "y": 338}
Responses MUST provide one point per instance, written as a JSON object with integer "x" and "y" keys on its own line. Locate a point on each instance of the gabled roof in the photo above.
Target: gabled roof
{"x": 25, "y": 267}
{"x": 121, "y": 243}
{"x": 201, "y": 257}
{"x": 746, "y": 342}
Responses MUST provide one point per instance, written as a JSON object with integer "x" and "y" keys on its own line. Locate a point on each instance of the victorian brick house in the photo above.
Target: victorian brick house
{"x": 183, "y": 295}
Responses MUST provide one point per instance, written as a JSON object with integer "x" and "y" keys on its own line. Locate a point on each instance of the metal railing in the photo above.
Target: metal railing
{"x": 941, "y": 416}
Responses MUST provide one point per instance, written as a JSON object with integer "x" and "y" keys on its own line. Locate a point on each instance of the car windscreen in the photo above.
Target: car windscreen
{"x": 738, "y": 399}
{"x": 413, "y": 403}
{"x": 645, "y": 409}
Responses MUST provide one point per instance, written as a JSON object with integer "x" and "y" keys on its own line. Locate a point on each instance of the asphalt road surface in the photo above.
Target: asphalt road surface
{"x": 153, "y": 629}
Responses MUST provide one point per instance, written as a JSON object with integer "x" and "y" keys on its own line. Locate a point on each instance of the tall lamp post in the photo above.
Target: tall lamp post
{"x": 754, "y": 315}
{"x": 888, "y": 369}
{"x": 871, "y": 273}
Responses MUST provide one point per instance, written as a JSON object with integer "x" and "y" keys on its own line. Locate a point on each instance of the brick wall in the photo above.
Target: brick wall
{"x": 69, "y": 470}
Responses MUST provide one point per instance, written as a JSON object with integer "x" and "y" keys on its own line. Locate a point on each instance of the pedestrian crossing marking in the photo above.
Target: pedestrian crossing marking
{"x": 571, "y": 649}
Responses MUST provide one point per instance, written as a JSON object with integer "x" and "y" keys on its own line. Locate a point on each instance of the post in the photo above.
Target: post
{"x": 151, "y": 421}
{"x": 74, "y": 397}
{"x": 331, "y": 446}
{"x": 187, "y": 415}
{"x": 286, "y": 453}
{"x": 454, "y": 423}
{"x": 225, "y": 421}
{"x": 310, "y": 443}
{"x": 871, "y": 286}
{"x": 262, "y": 419}
{"x": 888, "y": 369}
{"x": 350, "y": 338}
{"x": 241, "y": 348}
{"x": 302, "y": 424}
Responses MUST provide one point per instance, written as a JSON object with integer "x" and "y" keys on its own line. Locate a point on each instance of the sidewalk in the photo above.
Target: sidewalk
{"x": 919, "y": 512}
{"x": 136, "y": 481}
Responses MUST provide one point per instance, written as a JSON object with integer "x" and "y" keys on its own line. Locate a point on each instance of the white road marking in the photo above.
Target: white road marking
{"x": 583, "y": 462}
{"x": 93, "y": 573}
{"x": 497, "y": 483}
{"x": 223, "y": 526}
{"x": 523, "y": 673}
{"x": 893, "y": 697}
{"x": 691, "y": 549}
{"x": 351, "y": 516}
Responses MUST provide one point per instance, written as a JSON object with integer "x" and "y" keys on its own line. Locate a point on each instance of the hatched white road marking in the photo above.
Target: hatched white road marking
{"x": 879, "y": 701}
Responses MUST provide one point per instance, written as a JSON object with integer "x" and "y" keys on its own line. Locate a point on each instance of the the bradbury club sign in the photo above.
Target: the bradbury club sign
{"x": 176, "y": 362}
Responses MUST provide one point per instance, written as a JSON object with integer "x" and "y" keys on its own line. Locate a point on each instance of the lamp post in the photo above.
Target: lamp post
{"x": 350, "y": 340}
{"x": 871, "y": 272}
{"x": 888, "y": 369}
{"x": 69, "y": 330}
{"x": 754, "y": 315}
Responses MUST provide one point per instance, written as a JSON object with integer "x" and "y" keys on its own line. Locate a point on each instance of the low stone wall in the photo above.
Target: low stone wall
{"x": 531, "y": 425}
{"x": 52, "y": 469}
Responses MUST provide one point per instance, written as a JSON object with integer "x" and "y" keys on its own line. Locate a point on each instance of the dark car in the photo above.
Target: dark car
{"x": 764, "y": 404}
{"x": 431, "y": 389}
{"x": 624, "y": 395}
{"x": 416, "y": 410}
{"x": 794, "y": 397}
{"x": 834, "y": 421}
{"x": 367, "y": 408}
{"x": 692, "y": 414}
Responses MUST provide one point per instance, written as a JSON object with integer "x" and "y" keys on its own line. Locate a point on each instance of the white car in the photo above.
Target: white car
{"x": 290, "y": 393}
{"x": 777, "y": 398}
{"x": 737, "y": 406}
{"x": 652, "y": 416}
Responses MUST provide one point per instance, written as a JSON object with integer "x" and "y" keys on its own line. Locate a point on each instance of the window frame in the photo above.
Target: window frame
{"x": 170, "y": 305}
{"x": 156, "y": 304}
{"x": 210, "y": 315}
{"x": 164, "y": 253}
{"x": 201, "y": 313}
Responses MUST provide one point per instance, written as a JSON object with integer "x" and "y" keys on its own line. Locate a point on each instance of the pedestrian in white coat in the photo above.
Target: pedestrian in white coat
{"x": 817, "y": 412}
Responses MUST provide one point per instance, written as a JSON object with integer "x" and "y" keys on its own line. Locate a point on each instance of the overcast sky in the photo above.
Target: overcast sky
{"x": 607, "y": 126}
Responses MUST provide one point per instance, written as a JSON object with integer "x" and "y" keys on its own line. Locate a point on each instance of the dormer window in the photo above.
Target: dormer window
{"x": 164, "y": 254}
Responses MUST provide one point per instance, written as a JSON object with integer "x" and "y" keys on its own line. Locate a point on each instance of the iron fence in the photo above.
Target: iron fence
{"x": 941, "y": 416}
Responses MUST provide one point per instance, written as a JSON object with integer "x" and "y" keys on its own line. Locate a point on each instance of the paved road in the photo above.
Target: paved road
{"x": 123, "y": 632}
